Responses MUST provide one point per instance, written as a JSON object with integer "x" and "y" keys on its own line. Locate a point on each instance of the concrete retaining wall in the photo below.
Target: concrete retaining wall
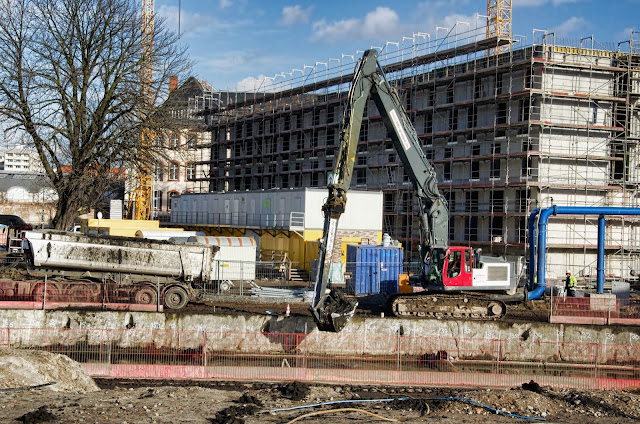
{"x": 370, "y": 336}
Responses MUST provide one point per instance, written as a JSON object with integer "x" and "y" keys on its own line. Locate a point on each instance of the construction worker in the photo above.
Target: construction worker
{"x": 570, "y": 284}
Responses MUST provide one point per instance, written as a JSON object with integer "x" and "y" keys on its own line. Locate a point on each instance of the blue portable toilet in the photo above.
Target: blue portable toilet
{"x": 373, "y": 269}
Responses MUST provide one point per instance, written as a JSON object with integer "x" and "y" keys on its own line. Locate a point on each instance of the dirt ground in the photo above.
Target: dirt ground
{"x": 40, "y": 387}
{"x": 232, "y": 403}
{"x": 533, "y": 311}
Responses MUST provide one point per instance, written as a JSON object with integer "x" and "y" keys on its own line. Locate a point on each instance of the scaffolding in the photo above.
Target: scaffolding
{"x": 537, "y": 124}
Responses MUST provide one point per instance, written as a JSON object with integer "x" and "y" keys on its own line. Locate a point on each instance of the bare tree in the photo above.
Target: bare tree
{"x": 71, "y": 77}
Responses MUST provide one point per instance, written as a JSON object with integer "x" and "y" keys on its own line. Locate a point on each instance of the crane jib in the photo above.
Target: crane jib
{"x": 399, "y": 129}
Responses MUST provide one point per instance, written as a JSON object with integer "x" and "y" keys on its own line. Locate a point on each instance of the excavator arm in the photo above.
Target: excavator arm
{"x": 332, "y": 311}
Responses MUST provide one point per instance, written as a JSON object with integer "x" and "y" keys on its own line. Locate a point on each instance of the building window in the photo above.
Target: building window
{"x": 158, "y": 172}
{"x": 522, "y": 200}
{"x": 192, "y": 141}
{"x": 522, "y": 229}
{"x": 191, "y": 171}
{"x": 174, "y": 141}
{"x": 471, "y": 201}
{"x": 451, "y": 200}
{"x": 446, "y": 174}
{"x": 156, "y": 203}
{"x": 170, "y": 196}
{"x": 174, "y": 171}
{"x": 475, "y": 170}
{"x": 495, "y": 168}
{"x": 452, "y": 228}
{"x": 471, "y": 228}
{"x": 158, "y": 142}
{"x": 496, "y": 226}
{"x": 526, "y": 166}
{"x": 497, "y": 201}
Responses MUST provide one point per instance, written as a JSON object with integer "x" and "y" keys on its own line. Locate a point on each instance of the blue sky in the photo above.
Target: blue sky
{"x": 240, "y": 41}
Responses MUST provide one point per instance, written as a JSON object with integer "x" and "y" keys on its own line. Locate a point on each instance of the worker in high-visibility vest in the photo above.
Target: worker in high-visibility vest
{"x": 571, "y": 284}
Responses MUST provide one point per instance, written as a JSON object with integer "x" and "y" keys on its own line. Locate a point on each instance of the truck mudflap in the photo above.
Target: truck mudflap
{"x": 334, "y": 312}
{"x": 442, "y": 305}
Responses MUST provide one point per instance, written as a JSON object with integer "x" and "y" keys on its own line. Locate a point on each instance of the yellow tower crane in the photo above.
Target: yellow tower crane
{"x": 499, "y": 22}
{"x": 140, "y": 201}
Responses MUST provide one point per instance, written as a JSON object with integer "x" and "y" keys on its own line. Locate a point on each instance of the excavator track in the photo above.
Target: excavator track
{"x": 439, "y": 305}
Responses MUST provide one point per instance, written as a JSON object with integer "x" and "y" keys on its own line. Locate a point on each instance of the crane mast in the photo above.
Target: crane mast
{"x": 140, "y": 202}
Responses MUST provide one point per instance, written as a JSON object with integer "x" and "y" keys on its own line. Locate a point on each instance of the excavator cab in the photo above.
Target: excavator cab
{"x": 458, "y": 267}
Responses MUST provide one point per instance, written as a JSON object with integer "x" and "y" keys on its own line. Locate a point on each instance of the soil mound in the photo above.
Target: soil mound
{"x": 23, "y": 368}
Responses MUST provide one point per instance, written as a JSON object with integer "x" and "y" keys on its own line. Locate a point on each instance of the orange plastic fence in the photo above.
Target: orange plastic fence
{"x": 336, "y": 358}
{"x": 595, "y": 310}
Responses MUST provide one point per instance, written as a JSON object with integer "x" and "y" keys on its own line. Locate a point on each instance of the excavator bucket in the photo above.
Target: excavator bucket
{"x": 335, "y": 313}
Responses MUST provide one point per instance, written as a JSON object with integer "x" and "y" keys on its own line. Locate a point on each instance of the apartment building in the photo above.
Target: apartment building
{"x": 537, "y": 125}
{"x": 182, "y": 165}
{"x": 20, "y": 160}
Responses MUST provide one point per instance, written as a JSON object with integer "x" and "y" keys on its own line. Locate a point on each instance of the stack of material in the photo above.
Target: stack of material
{"x": 273, "y": 292}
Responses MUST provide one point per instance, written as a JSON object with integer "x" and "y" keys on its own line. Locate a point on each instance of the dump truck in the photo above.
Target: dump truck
{"x": 152, "y": 270}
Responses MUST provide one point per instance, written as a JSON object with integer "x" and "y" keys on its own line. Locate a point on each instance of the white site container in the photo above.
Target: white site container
{"x": 298, "y": 209}
{"x": 236, "y": 259}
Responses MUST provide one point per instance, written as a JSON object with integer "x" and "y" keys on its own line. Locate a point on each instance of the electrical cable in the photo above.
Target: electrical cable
{"x": 334, "y": 402}
{"x": 327, "y": 411}
{"x": 497, "y": 411}
{"x": 487, "y": 407}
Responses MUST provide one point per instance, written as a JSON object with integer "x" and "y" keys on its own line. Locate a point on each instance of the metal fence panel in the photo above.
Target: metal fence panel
{"x": 352, "y": 359}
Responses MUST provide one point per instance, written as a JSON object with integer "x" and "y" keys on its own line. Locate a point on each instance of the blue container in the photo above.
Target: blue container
{"x": 373, "y": 269}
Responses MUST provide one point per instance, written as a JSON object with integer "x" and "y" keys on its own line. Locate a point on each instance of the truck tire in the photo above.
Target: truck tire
{"x": 176, "y": 298}
{"x": 146, "y": 295}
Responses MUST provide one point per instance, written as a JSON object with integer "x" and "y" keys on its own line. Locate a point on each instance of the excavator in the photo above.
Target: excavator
{"x": 457, "y": 281}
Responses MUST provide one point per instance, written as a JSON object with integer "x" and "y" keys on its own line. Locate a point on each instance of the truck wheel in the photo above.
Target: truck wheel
{"x": 53, "y": 294}
{"x": 145, "y": 296}
{"x": 176, "y": 298}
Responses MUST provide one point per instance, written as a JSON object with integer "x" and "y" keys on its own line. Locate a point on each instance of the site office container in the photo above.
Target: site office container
{"x": 236, "y": 259}
{"x": 373, "y": 269}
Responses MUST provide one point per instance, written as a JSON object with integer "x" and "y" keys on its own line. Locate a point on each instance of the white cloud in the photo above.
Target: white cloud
{"x": 377, "y": 24}
{"x": 573, "y": 26}
{"x": 293, "y": 14}
{"x": 432, "y": 14}
{"x": 225, "y": 3}
{"x": 190, "y": 23}
{"x": 261, "y": 83}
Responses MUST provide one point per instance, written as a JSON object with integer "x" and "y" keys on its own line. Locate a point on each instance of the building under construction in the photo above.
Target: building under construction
{"x": 534, "y": 125}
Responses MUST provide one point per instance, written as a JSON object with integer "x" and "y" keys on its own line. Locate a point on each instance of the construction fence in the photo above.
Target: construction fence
{"x": 596, "y": 309}
{"x": 335, "y": 358}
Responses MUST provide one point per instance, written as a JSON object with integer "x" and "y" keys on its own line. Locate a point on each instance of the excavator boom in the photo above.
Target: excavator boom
{"x": 332, "y": 311}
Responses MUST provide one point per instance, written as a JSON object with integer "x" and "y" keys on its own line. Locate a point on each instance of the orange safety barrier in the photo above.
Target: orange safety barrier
{"x": 336, "y": 358}
{"x": 595, "y": 310}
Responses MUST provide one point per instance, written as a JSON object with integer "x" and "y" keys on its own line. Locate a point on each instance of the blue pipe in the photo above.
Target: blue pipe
{"x": 532, "y": 248}
{"x": 600, "y": 262}
{"x": 573, "y": 210}
{"x": 538, "y": 291}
